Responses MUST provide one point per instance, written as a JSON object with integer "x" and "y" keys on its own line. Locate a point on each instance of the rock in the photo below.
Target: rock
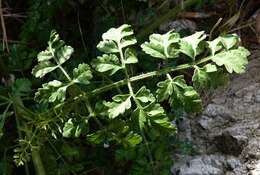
{"x": 252, "y": 150}
{"x": 214, "y": 110}
{"x": 232, "y": 140}
{"x": 257, "y": 96}
{"x": 201, "y": 165}
{"x": 235, "y": 166}
{"x": 228, "y": 144}
{"x": 226, "y": 136}
{"x": 184, "y": 128}
{"x": 256, "y": 170}
{"x": 209, "y": 165}
{"x": 206, "y": 122}
{"x": 178, "y": 25}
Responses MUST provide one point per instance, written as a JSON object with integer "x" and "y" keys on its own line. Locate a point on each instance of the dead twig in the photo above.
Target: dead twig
{"x": 5, "y": 40}
{"x": 14, "y": 15}
{"x": 214, "y": 27}
{"x": 242, "y": 27}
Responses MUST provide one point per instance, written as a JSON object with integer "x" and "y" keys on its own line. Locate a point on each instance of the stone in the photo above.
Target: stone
{"x": 252, "y": 150}
{"x": 228, "y": 144}
{"x": 206, "y": 122}
{"x": 201, "y": 165}
{"x": 215, "y": 110}
{"x": 257, "y": 96}
{"x": 209, "y": 165}
{"x": 226, "y": 136}
{"x": 256, "y": 170}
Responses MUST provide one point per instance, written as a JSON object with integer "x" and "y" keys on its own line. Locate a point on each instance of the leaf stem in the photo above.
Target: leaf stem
{"x": 149, "y": 75}
{"x": 58, "y": 64}
{"x": 137, "y": 104}
{"x": 92, "y": 113}
{"x": 88, "y": 106}
{"x": 36, "y": 157}
{"x": 64, "y": 72}
{"x": 169, "y": 76}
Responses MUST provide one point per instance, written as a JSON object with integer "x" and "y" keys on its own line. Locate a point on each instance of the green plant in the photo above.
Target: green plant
{"x": 133, "y": 120}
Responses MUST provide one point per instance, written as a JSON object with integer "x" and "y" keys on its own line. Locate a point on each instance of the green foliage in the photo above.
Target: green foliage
{"x": 23, "y": 152}
{"x": 39, "y": 23}
{"x": 209, "y": 77}
{"x": 180, "y": 95}
{"x": 82, "y": 74}
{"x": 53, "y": 57}
{"x": 129, "y": 124}
{"x": 227, "y": 42}
{"x": 122, "y": 37}
{"x": 22, "y": 87}
{"x": 192, "y": 45}
{"x": 162, "y": 46}
{"x": 233, "y": 60}
{"x": 3, "y": 118}
{"x": 74, "y": 128}
{"x": 107, "y": 63}
{"x": 53, "y": 91}
{"x": 120, "y": 104}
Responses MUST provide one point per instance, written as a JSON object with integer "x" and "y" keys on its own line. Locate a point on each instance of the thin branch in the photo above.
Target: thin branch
{"x": 242, "y": 27}
{"x": 214, "y": 27}
{"x": 81, "y": 35}
{"x": 5, "y": 40}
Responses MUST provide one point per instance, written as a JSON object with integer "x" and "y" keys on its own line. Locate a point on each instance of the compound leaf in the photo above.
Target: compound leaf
{"x": 120, "y": 37}
{"x": 64, "y": 53}
{"x": 119, "y": 105}
{"x": 53, "y": 91}
{"x": 56, "y": 53}
{"x": 43, "y": 68}
{"x": 82, "y": 74}
{"x": 162, "y": 46}
{"x": 180, "y": 95}
{"x": 234, "y": 60}
{"x": 208, "y": 77}
{"x": 191, "y": 46}
{"x": 130, "y": 56}
{"x": 73, "y": 128}
{"x": 107, "y": 63}
{"x": 144, "y": 95}
{"x": 107, "y": 46}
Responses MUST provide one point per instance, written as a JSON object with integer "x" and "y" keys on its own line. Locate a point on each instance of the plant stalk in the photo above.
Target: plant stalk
{"x": 138, "y": 105}
{"x": 60, "y": 67}
{"x": 149, "y": 75}
{"x": 37, "y": 162}
{"x": 64, "y": 72}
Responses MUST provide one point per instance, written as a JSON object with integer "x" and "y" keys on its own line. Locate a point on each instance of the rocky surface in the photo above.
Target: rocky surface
{"x": 226, "y": 137}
